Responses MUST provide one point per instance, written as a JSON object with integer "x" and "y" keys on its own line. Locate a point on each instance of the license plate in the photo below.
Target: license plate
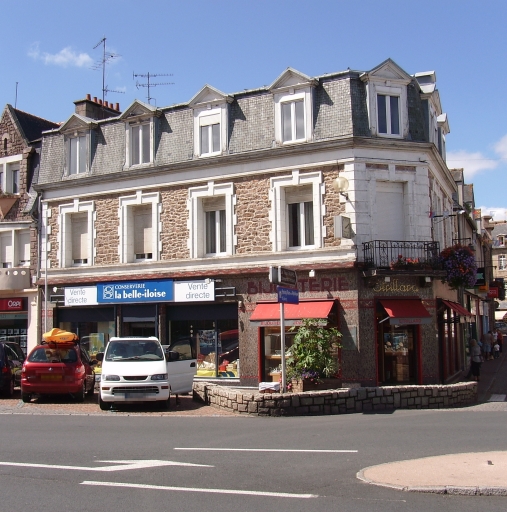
{"x": 51, "y": 377}
{"x": 131, "y": 396}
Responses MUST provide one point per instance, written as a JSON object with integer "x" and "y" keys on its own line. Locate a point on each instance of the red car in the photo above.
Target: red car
{"x": 57, "y": 369}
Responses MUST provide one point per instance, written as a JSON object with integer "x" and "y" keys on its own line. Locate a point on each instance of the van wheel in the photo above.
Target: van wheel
{"x": 26, "y": 397}
{"x": 104, "y": 406}
{"x": 81, "y": 395}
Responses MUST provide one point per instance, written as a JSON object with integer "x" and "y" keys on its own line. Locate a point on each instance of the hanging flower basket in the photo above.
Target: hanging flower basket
{"x": 460, "y": 267}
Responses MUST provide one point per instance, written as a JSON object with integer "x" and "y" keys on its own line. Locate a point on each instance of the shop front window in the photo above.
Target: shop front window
{"x": 215, "y": 345}
{"x": 93, "y": 336}
{"x": 272, "y": 350}
{"x": 397, "y": 354}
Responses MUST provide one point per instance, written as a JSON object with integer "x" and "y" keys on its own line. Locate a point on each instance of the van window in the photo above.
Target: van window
{"x": 132, "y": 350}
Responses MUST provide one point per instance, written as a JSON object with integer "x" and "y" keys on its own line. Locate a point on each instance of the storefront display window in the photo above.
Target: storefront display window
{"x": 272, "y": 350}
{"x": 93, "y": 336}
{"x": 397, "y": 354}
{"x": 215, "y": 345}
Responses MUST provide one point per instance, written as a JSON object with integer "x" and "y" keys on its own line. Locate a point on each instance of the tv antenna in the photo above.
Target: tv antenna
{"x": 106, "y": 57}
{"x": 148, "y": 84}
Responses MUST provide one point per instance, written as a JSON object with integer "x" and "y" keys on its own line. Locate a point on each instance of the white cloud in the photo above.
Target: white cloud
{"x": 501, "y": 147}
{"x": 471, "y": 163}
{"x": 66, "y": 57}
{"x": 496, "y": 213}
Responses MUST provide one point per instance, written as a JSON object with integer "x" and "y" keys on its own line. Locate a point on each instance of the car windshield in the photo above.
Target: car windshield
{"x": 53, "y": 355}
{"x": 134, "y": 350}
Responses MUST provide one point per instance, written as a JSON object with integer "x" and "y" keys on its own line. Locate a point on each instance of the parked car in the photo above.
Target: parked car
{"x": 11, "y": 362}
{"x": 17, "y": 357}
{"x": 139, "y": 370}
{"x": 56, "y": 368}
{"x": 502, "y": 327}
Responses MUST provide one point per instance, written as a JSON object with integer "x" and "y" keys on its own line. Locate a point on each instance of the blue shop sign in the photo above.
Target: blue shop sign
{"x": 135, "y": 291}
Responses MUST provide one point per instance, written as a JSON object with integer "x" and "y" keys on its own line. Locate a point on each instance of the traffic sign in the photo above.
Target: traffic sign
{"x": 287, "y": 295}
{"x": 283, "y": 276}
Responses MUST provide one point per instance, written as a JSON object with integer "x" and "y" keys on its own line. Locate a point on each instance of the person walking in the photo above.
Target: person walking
{"x": 475, "y": 360}
{"x": 487, "y": 344}
{"x": 499, "y": 339}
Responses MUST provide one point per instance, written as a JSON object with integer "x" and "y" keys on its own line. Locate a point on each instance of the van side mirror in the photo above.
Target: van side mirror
{"x": 172, "y": 355}
{"x": 100, "y": 356}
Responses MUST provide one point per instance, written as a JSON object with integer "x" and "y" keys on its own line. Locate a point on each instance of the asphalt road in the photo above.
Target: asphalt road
{"x": 75, "y": 463}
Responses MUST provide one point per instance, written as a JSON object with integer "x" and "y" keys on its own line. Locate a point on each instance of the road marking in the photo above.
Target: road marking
{"x": 264, "y": 450}
{"x": 125, "y": 464}
{"x": 497, "y": 398}
{"x": 196, "y": 489}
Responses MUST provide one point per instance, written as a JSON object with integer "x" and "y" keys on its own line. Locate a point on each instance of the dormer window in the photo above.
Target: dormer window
{"x": 292, "y": 94}
{"x": 388, "y": 109}
{"x": 140, "y": 143}
{"x": 140, "y": 123}
{"x": 77, "y": 148}
{"x": 386, "y": 88}
{"x": 210, "y": 121}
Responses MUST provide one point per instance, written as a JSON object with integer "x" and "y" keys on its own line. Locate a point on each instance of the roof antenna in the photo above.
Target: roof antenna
{"x": 106, "y": 57}
{"x": 148, "y": 84}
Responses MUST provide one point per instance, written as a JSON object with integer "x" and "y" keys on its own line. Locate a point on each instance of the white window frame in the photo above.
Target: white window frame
{"x": 68, "y": 153}
{"x": 502, "y": 262}
{"x": 197, "y": 218}
{"x": 279, "y": 209}
{"x": 66, "y": 211}
{"x": 7, "y": 165}
{"x": 20, "y": 248}
{"x": 207, "y": 117}
{"x": 387, "y": 89}
{"x": 144, "y": 124}
{"x": 126, "y": 247}
{"x": 293, "y": 96}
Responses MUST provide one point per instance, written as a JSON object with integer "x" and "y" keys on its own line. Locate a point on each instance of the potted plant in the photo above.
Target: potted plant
{"x": 459, "y": 264}
{"x": 404, "y": 263}
{"x": 312, "y": 360}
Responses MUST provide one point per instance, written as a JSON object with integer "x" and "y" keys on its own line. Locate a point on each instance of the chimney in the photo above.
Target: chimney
{"x": 95, "y": 109}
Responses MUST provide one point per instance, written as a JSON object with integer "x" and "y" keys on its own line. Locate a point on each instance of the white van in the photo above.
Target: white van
{"x": 136, "y": 369}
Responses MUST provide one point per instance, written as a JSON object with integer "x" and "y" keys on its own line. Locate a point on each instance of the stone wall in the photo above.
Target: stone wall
{"x": 337, "y": 401}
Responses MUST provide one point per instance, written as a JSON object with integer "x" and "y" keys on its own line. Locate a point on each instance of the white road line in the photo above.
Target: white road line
{"x": 126, "y": 464}
{"x": 264, "y": 450}
{"x": 196, "y": 489}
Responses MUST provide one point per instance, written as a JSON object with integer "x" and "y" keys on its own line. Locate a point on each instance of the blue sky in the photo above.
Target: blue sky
{"x": 47, "y": 48}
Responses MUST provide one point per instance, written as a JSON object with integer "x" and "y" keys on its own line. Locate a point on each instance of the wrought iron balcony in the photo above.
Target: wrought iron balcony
{"x": 397, "y": 255}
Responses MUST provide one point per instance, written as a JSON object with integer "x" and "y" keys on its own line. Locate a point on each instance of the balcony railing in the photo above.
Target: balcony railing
{"x": 401, "y": 255}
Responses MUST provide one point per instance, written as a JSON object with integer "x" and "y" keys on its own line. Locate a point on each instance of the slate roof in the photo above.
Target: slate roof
{"x": 30, "y": 125}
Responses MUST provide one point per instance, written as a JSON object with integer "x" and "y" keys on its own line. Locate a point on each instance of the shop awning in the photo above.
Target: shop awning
{"x": 406, "y": 312}
{"x": 457, "y": 307}
{"x": 269, "y": 314}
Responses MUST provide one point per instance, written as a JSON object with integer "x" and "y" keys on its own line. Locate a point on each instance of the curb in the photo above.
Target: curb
{"x": 444, "y": 489}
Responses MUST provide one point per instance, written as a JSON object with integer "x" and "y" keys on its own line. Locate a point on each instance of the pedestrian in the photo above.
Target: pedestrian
{"x": 496, "y": 350}
{"x": 487, "y": 342}
{"x": 499, "y": 339}
{"x": 475, "y": 360}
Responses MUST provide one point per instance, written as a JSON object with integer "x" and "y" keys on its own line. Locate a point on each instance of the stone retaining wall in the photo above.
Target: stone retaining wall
{"x": 337, "y": 401}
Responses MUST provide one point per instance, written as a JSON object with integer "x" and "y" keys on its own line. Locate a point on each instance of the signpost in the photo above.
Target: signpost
{"x": 284, "y": 277}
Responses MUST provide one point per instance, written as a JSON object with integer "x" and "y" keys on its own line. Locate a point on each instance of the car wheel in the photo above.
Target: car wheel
{"x": 104, "y": 406}
{"x": 81, "y": 395}
{"x": 26, "y": 397}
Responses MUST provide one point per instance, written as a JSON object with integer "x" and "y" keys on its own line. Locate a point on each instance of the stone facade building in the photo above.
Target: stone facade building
{"x": 20, "y": 145}
{"x": 166, "y": 221}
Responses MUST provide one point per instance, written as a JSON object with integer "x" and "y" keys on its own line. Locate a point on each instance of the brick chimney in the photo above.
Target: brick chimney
{"x": 94, "y": 109}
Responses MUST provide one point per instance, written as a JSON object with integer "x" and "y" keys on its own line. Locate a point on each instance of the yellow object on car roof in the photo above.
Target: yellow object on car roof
{"x": 59, "y": 336}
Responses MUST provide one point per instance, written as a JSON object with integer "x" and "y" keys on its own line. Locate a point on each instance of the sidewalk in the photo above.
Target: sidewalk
{"x": 468, "y": 474}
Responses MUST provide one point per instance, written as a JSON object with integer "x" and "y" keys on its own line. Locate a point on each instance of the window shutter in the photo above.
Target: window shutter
{"x": 23, "y": 240}
{"x": 143, "y": 229}
{"x": 80, "y": 237}
{"x": 390, "y": 211}
{"x": 6, "y": 249}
